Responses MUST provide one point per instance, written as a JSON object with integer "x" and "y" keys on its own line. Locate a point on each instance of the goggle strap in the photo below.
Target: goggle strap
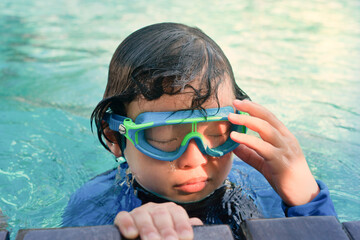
{"x": 114, "y": 121}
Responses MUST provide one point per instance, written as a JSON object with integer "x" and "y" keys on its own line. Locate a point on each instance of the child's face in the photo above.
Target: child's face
{"x": 194, "y": 175}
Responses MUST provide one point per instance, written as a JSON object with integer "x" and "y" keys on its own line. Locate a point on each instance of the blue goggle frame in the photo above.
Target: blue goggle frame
{"x": 134, "y": 131}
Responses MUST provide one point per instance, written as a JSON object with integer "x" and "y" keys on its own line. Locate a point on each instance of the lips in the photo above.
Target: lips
{"x": 193, "y": 185}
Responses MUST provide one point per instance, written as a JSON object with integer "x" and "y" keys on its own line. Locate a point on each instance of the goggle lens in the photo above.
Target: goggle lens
{"x": 165, "y": 135}
{"x": 169, "y": 138}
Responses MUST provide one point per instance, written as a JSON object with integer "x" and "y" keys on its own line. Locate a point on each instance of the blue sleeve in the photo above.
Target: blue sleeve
{"x": 321, "y": 205}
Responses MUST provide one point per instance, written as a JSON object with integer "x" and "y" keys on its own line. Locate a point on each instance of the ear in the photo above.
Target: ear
{"x": 111, "y": 141}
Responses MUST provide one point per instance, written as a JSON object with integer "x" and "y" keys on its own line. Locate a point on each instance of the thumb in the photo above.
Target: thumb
{"x": 250, "y": 156}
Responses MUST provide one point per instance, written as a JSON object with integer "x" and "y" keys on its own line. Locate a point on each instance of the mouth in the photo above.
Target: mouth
{"x": 193, "y": 185}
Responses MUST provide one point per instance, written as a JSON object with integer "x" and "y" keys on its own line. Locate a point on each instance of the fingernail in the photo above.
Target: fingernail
{"x": 171, "y": 238}
{"x": 186, "y": 234}
{"x": 152, "y": 236}
{"x": 131, "y": 231}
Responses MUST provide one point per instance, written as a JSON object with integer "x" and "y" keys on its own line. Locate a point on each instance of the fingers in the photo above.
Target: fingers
{"x": 195, "y": 222}
{"x": 266, "y": 131}
{"x": 274, "y": 135}
{"x": 157, "y": 221}
{"x": 262, "y": 148}
{"x": 182, "y": 222}
{"x": 261, "y": 112}
{"x": 144, "y": 223}
{"x": 126, "y": 225}
{"x": 263, "y": 153}
{"x": 163, "y": 223}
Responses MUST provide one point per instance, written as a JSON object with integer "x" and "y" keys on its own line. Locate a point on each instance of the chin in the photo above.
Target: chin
{"x": 191, "y": 198}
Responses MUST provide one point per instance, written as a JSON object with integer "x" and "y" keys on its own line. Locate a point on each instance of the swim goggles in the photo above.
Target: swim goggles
{"x": 166, "y": 135}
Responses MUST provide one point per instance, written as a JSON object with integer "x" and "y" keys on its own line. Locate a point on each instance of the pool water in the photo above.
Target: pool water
{"x": 300, "y": 59}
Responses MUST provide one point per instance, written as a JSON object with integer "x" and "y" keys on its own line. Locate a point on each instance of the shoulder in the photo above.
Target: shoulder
{"x": 89, "y": 205}
{"x": 96, "y": 186}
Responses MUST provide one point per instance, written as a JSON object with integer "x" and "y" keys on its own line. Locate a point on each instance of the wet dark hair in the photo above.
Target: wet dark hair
{"x": 160, "y": 59}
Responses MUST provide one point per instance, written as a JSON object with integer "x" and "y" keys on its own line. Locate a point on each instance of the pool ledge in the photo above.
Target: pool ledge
{"x": 318, "y": 228}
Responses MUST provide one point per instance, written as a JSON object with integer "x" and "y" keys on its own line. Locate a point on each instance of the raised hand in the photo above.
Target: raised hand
{"x": 157, "y": 221}
{"x": 277, "y": 154}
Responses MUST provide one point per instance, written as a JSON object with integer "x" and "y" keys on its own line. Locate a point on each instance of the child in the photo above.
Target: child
{"x": 174, "y": 115}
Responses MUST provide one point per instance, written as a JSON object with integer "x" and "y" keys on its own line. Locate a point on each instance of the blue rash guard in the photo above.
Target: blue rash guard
{"x": 245, "y": 194}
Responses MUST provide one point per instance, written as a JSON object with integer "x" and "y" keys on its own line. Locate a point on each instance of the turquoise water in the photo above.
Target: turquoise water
{"x": 300, "y": 59}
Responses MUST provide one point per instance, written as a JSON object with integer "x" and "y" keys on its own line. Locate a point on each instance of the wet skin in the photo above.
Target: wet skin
{"x": 276, "y": 154}
{"x": 189, "y": 178}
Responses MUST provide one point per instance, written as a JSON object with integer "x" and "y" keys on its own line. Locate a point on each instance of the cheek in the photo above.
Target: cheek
{"x": 131, "y": 155}
{"x": 143, "y": 168}
{"x": 223, "y": 166}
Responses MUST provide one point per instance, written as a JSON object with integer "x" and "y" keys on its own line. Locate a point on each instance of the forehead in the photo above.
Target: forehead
{"x": 181, "y": 101}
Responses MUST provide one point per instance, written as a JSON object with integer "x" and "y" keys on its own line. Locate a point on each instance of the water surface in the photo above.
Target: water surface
{"x": 298, "y": 58}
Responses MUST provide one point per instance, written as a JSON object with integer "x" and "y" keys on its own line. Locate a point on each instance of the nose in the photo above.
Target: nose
{"x": 191, "y": 158}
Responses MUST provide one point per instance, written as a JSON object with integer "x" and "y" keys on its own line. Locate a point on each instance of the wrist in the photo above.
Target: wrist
{"x": 303, "y": 191}
{"x": 321, "y": 205}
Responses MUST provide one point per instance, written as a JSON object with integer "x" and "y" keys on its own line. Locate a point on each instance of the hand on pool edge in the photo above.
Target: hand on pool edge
{"x": 277, "y": 154}
{"x": 156, "y": 221}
